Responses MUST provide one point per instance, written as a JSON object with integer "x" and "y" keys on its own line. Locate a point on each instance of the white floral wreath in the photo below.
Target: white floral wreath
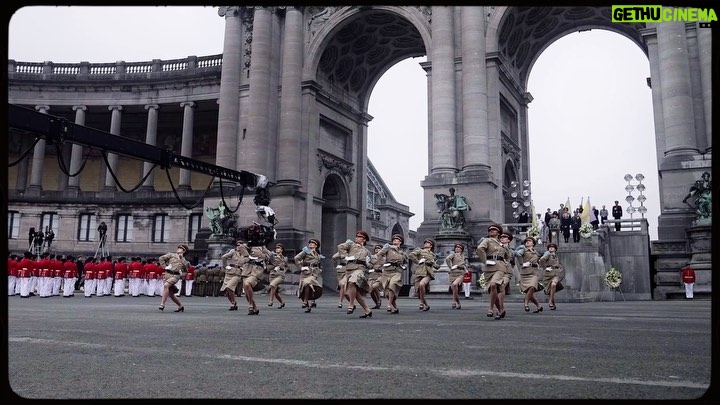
{"x": 586, "y": 230}
{"x": 613, "y": 278}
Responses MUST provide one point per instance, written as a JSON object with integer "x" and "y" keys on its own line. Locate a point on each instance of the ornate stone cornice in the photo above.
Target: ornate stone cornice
{"x": 333, "y": 164}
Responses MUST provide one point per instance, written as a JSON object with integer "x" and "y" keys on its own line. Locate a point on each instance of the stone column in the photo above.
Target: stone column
{"x": 291, "y": 100}
{"x": 77, "y": 150}
{"x": 229, "y": 103}
{"x": 251, "y": 146}
{"x": 112, "y": 159}
{"x": 443, "y": 157}
{"x": 187, "y": 139}
{"x": 150, "y": 139}
{"x": 704, "y": 38}
{"x": 38, "y": 159}
{"x": 474, "y": 89}
{"x": 676, "y": 89}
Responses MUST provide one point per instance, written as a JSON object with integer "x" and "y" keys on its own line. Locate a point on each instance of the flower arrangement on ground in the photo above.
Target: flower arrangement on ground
{"x": 613, "y": 278}
{"x": 481, "y": 281}
{"x": 586, "y": 230}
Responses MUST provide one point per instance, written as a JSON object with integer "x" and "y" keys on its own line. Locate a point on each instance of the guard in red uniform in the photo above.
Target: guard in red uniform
{"x": 189, "y": 279}
{"x": 12, "y": 274}
{"x": 135, "y": 270}
{"x": 44, "y": 276}
{"x": 26, "y": 266}
{"x": 58, "y": 271}
{"x": 121, "y": 269}
{"x": 69, "y": 276}
{"x": 150, "y": 277}
{"x": 688, "y": 278}
{"x": 90, "y": 283}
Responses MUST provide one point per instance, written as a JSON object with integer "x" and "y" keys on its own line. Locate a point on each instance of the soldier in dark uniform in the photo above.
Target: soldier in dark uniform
{"x": 617, "y": 214}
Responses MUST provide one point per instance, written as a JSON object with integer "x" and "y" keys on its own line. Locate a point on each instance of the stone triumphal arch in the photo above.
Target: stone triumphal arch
{"x": 289, "y": 99}
{"x": 327, "y": 59}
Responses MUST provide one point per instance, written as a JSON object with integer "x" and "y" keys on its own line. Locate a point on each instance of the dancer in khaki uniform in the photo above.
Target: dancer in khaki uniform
{"x": 341, "y": 272}
{"x": 373, "y": 277}
{"x": 308, "y": 261}
{"x": 457, "y": 264}
{"x": 252, "y": 275}
{"x": 492, "y": 254}
{"x": 395, "y": 262}
{"x": 277, "y": 266}
{"x": 528, "y": 269}
{"x": 425, "y": 263}
{"x": 358, "y": 263}
{"x": 553, "y": 274}
{"x": 232, "y": 262}
{"x": 175, "y": 268}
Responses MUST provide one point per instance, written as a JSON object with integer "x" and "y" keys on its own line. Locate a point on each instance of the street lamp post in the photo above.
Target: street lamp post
{"x": 521, "y": 196}
{"x": 641, "y": 198}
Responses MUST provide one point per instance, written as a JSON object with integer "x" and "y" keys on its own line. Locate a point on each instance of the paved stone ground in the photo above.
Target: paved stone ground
{"x": 125, "y": 348}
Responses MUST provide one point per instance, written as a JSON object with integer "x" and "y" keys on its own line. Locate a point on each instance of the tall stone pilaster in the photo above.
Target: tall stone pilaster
{"x": 186, "y": 144}
{"x": 150, "y": 139}
{"x": 677, "y": 102}
{"x": 252, "y": 143}
{"x": 443, "y": 158}
{"x": 112, "y": 159}
{"x": 38, "y": 160}
{"x": 77, "y": 150}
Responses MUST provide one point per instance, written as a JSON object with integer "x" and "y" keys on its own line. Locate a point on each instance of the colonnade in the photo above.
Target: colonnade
{"x": 74, "y": 157}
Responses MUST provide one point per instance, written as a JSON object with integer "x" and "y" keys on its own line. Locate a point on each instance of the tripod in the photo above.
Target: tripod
{"x": 35, "y": 248}
{"x": 102, "y": 247}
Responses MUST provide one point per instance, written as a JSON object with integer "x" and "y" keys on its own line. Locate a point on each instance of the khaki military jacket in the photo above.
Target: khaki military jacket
{"x": 424, "y": 267}
{"x": 277, "y": 265}
{"x": 174, "y": 263}
{"x": 493, "y": 255}
{"x": 235, "y": 258}
{"x": 356, "y": 256}
{"x": 394, "y": 259}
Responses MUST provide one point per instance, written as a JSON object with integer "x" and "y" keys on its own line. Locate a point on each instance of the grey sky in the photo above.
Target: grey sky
{"x": 590, "y": 122}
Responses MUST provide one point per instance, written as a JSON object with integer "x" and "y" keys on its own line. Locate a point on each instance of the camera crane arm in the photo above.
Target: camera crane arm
{"x": 58, "y": 130}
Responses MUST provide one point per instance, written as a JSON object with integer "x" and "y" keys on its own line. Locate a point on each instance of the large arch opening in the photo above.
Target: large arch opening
{"x": 591, "y": 122}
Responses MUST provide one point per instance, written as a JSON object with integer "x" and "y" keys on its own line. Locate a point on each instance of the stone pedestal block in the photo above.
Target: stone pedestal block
{"x": 700, "y": 237}
{"x": 218, "y": 245}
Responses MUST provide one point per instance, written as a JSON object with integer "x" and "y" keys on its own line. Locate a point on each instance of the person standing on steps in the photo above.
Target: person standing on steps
{"x": 603, "y": 215}
{"x": 617, "y": 214}
{"x": 175, "y": 268}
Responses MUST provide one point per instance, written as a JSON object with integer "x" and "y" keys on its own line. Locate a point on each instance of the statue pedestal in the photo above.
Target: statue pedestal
{"x": 444, "y": 245}
{"x": 700, "y": 237}
{"x": 218, "y": 245}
